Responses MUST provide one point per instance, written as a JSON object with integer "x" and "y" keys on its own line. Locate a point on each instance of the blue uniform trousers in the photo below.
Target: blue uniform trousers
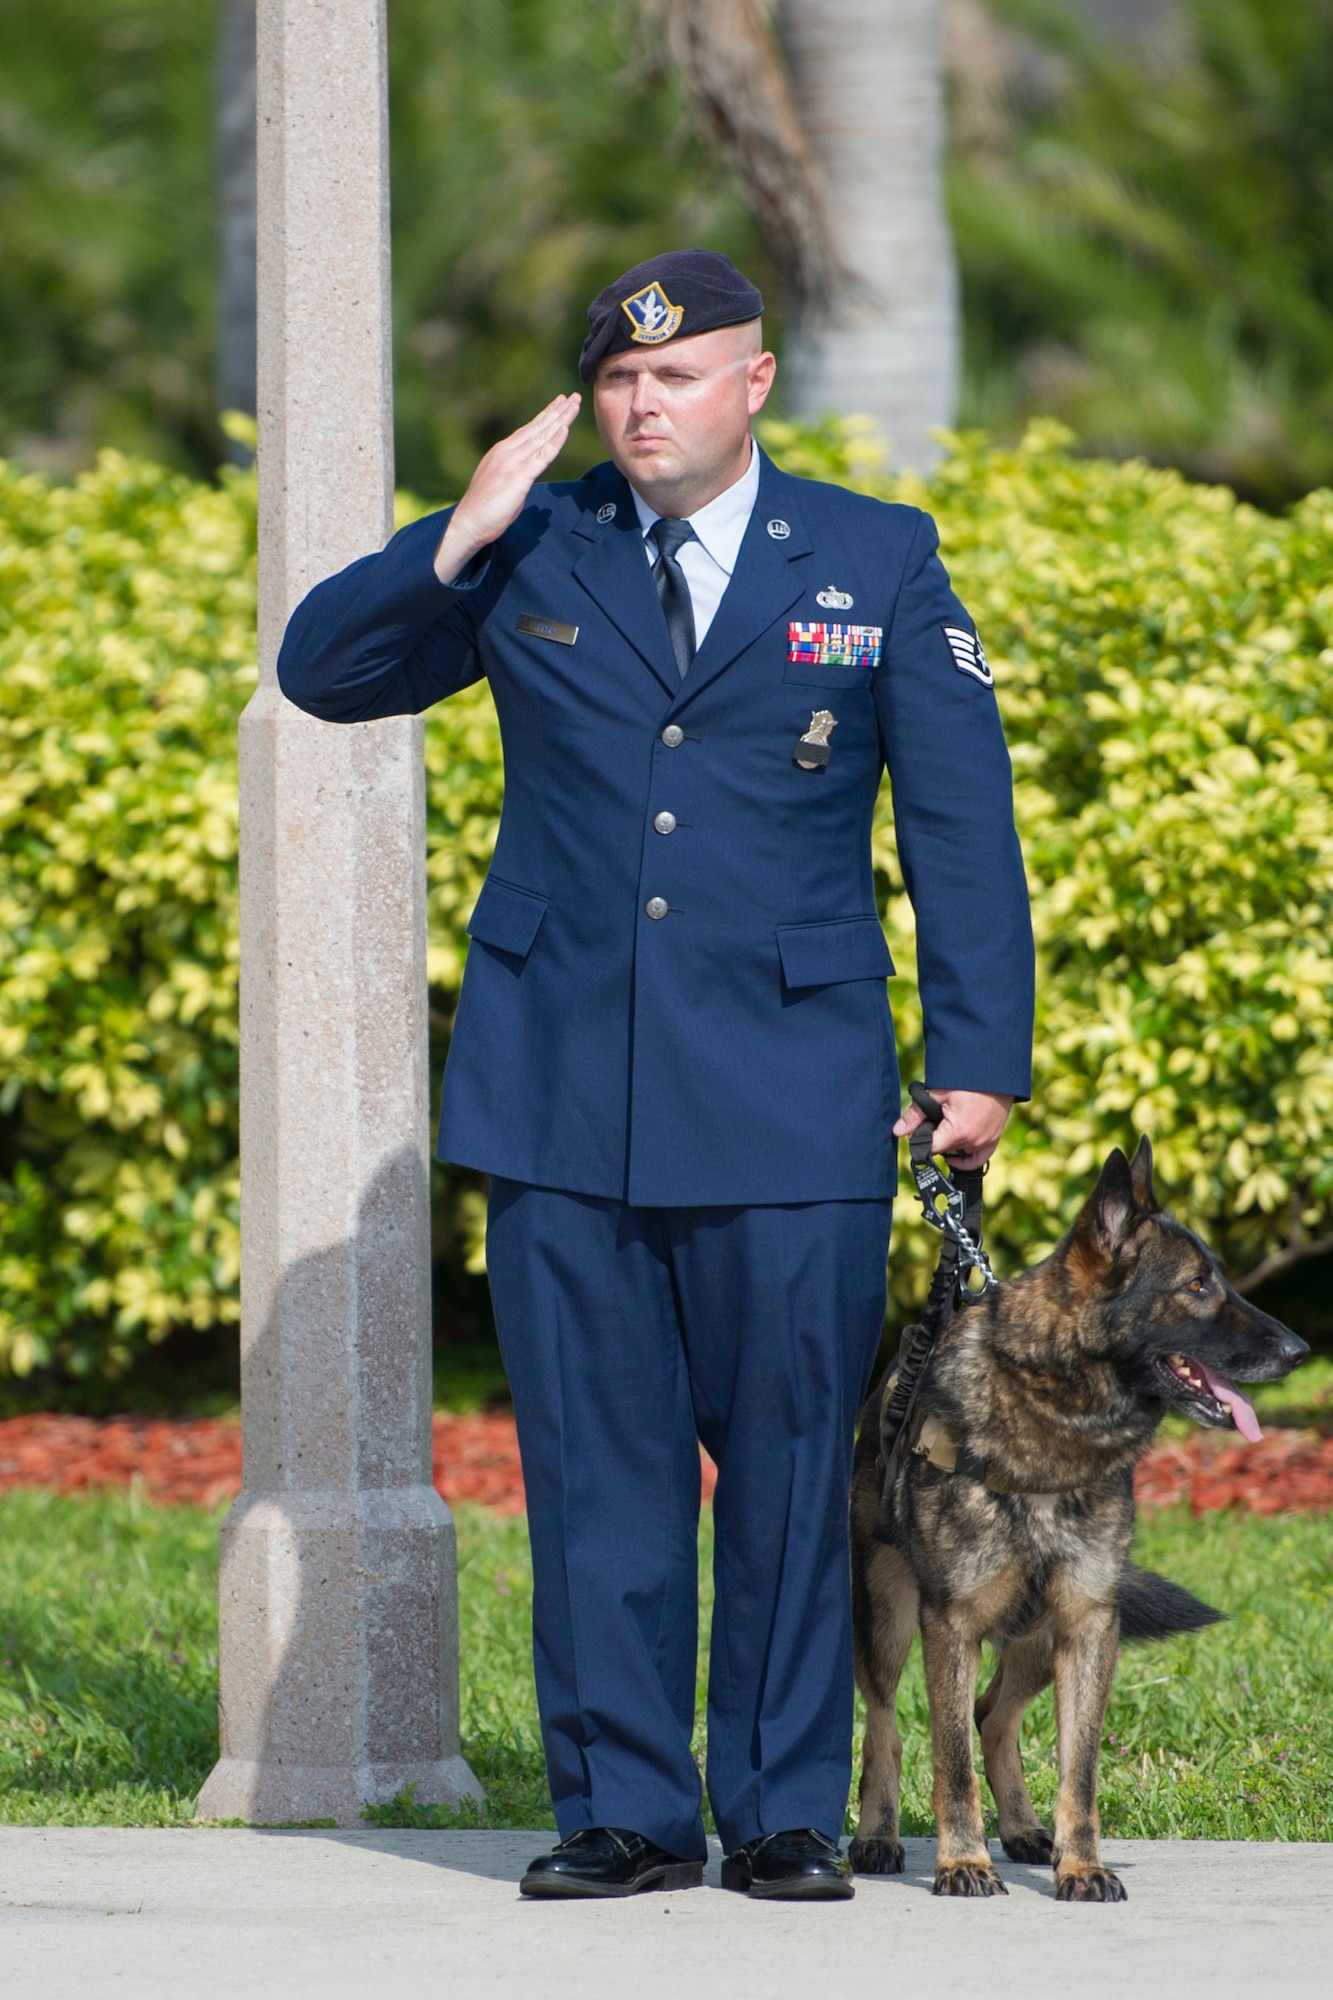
{"x": 629, "y": 1334}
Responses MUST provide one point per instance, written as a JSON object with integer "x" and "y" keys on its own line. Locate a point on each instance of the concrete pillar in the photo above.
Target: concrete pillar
{"x": 338, "y": 1592}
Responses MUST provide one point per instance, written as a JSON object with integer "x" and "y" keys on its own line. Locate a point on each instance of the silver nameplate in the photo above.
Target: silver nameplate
{"x": 548, "y": 628}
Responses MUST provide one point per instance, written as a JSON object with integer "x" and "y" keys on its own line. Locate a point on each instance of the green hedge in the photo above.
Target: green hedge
{"x": 1163, "y": 659}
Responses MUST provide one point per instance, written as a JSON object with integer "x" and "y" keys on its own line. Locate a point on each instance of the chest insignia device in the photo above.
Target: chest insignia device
{"x": 833, "y": 599}
{"x": 812, "y": 749}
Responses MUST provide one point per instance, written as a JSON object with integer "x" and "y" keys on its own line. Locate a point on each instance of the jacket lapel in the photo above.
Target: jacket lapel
{"x": 614, "y": 571}
{"x": 763, "y": 584}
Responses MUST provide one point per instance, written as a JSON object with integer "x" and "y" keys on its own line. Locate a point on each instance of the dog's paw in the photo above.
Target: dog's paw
{"x": 1090, "y": 1885}
{"x": 1034, "y": 1844}
{"x": 968, "y": 1878}
{"x": 879, "y": 1856}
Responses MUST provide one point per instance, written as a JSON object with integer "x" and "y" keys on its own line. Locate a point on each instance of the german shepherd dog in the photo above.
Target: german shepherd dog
{"x": 1043, "y": 1392}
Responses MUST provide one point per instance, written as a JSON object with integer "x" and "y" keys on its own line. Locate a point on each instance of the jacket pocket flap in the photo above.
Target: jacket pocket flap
{"x": 506, "y": 917}
{"x": 824, "y": 674}
{"x": 825, "y": 954}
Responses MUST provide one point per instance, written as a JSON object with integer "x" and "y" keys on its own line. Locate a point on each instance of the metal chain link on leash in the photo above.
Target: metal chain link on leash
{"x": 951, "y": 1203}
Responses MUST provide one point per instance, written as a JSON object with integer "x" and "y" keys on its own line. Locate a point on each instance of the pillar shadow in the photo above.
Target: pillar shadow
{"x": 338, "y": 1570}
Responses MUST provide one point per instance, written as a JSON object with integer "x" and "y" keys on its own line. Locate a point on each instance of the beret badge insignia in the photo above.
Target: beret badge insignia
{"x": 652, "y": 316}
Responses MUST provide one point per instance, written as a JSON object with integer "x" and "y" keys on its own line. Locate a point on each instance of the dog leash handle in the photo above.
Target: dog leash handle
{"x": 920, "y": 1145}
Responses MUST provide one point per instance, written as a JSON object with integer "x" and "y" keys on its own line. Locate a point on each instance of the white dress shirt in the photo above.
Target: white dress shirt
{"x": 719, "y": 530}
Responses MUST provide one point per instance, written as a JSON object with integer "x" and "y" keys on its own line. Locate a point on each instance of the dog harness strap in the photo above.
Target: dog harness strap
{"x": 940, "y": 1444}
{"x": 937, "y": 1443}
{"x": 993, "y": 1481}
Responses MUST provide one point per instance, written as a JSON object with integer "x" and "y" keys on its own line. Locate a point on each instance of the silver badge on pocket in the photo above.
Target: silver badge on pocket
{"x": 833, "y": 599}
{"x": 812, "y": 749}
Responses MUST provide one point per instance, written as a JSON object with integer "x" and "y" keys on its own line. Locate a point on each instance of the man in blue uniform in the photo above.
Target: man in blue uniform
{"x": 673, "y": 1052}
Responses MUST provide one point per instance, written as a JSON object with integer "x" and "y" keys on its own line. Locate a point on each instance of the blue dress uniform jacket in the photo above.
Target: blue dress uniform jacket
{"x": 675, "y": 993}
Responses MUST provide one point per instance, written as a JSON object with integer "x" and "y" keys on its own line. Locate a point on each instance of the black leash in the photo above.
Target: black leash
{"x": 952, "y": 1204}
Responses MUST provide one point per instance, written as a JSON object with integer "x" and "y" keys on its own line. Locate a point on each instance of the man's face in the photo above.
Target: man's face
{"x": 676, "y": 419}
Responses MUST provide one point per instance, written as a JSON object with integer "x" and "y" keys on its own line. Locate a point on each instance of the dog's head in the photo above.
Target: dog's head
{"x": 1153, "y": 1301}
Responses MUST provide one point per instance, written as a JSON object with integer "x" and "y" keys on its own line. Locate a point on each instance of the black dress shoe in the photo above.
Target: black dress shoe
{"x": 608, "y": 1861}
{"x": 796, "y": 1867}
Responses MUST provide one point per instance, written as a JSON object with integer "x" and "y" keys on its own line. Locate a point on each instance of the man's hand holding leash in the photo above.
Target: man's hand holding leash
{"x": 971, "y": 1126}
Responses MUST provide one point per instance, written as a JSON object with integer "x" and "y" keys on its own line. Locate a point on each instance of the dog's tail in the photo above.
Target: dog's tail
{"x": 1152, "y": 1607}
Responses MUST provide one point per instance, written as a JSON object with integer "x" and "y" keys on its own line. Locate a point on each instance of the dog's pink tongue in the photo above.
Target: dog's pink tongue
{"x": 1242, "y": 1409}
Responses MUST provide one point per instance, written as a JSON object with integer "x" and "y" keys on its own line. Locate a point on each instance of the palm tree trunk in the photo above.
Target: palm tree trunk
{"x": 235, "y": 128}
{"x": 868, "y": 78}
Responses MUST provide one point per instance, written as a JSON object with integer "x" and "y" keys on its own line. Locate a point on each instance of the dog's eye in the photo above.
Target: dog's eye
{"x": 1197, "y": 1285}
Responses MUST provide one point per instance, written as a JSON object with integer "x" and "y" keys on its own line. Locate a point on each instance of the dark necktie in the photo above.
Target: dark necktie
{"x": 667, "y": 537}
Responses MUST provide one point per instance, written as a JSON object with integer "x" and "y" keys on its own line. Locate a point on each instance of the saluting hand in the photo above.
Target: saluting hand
{"x": 501, "y": 483}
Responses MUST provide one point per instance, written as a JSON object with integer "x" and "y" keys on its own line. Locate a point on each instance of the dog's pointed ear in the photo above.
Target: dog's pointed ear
{"x": 1111, "y": 1210}
{"x": 1140, "y": 1173}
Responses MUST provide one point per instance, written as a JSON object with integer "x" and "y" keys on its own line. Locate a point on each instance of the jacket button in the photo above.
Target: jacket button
{"x": 657, "y": 906}
{"x": 665, "y": 822}
{"x": 673, "y": 736}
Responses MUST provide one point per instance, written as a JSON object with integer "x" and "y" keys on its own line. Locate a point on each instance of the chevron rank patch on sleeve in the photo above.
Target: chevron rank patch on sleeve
{"x": 969, "y": 655}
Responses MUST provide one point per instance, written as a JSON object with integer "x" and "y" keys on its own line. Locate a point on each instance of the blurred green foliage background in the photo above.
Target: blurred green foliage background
{"x": 1144, "y": 238}
{"x": 535, "y": 155}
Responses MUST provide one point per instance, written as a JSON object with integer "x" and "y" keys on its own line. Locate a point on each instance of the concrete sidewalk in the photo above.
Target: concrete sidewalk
{"x": 214, "y": 1912}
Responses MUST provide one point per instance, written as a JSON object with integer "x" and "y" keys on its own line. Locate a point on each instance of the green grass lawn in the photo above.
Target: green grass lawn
{"x": 108, "y": 1677}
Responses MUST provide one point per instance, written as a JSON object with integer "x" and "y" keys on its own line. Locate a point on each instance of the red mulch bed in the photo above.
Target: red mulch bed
{"x": 198, "y": 1462}
{"x": 1291, "y": 1472}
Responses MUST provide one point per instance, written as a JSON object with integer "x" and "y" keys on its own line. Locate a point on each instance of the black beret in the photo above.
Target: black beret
{"x": 682, "y": 292}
